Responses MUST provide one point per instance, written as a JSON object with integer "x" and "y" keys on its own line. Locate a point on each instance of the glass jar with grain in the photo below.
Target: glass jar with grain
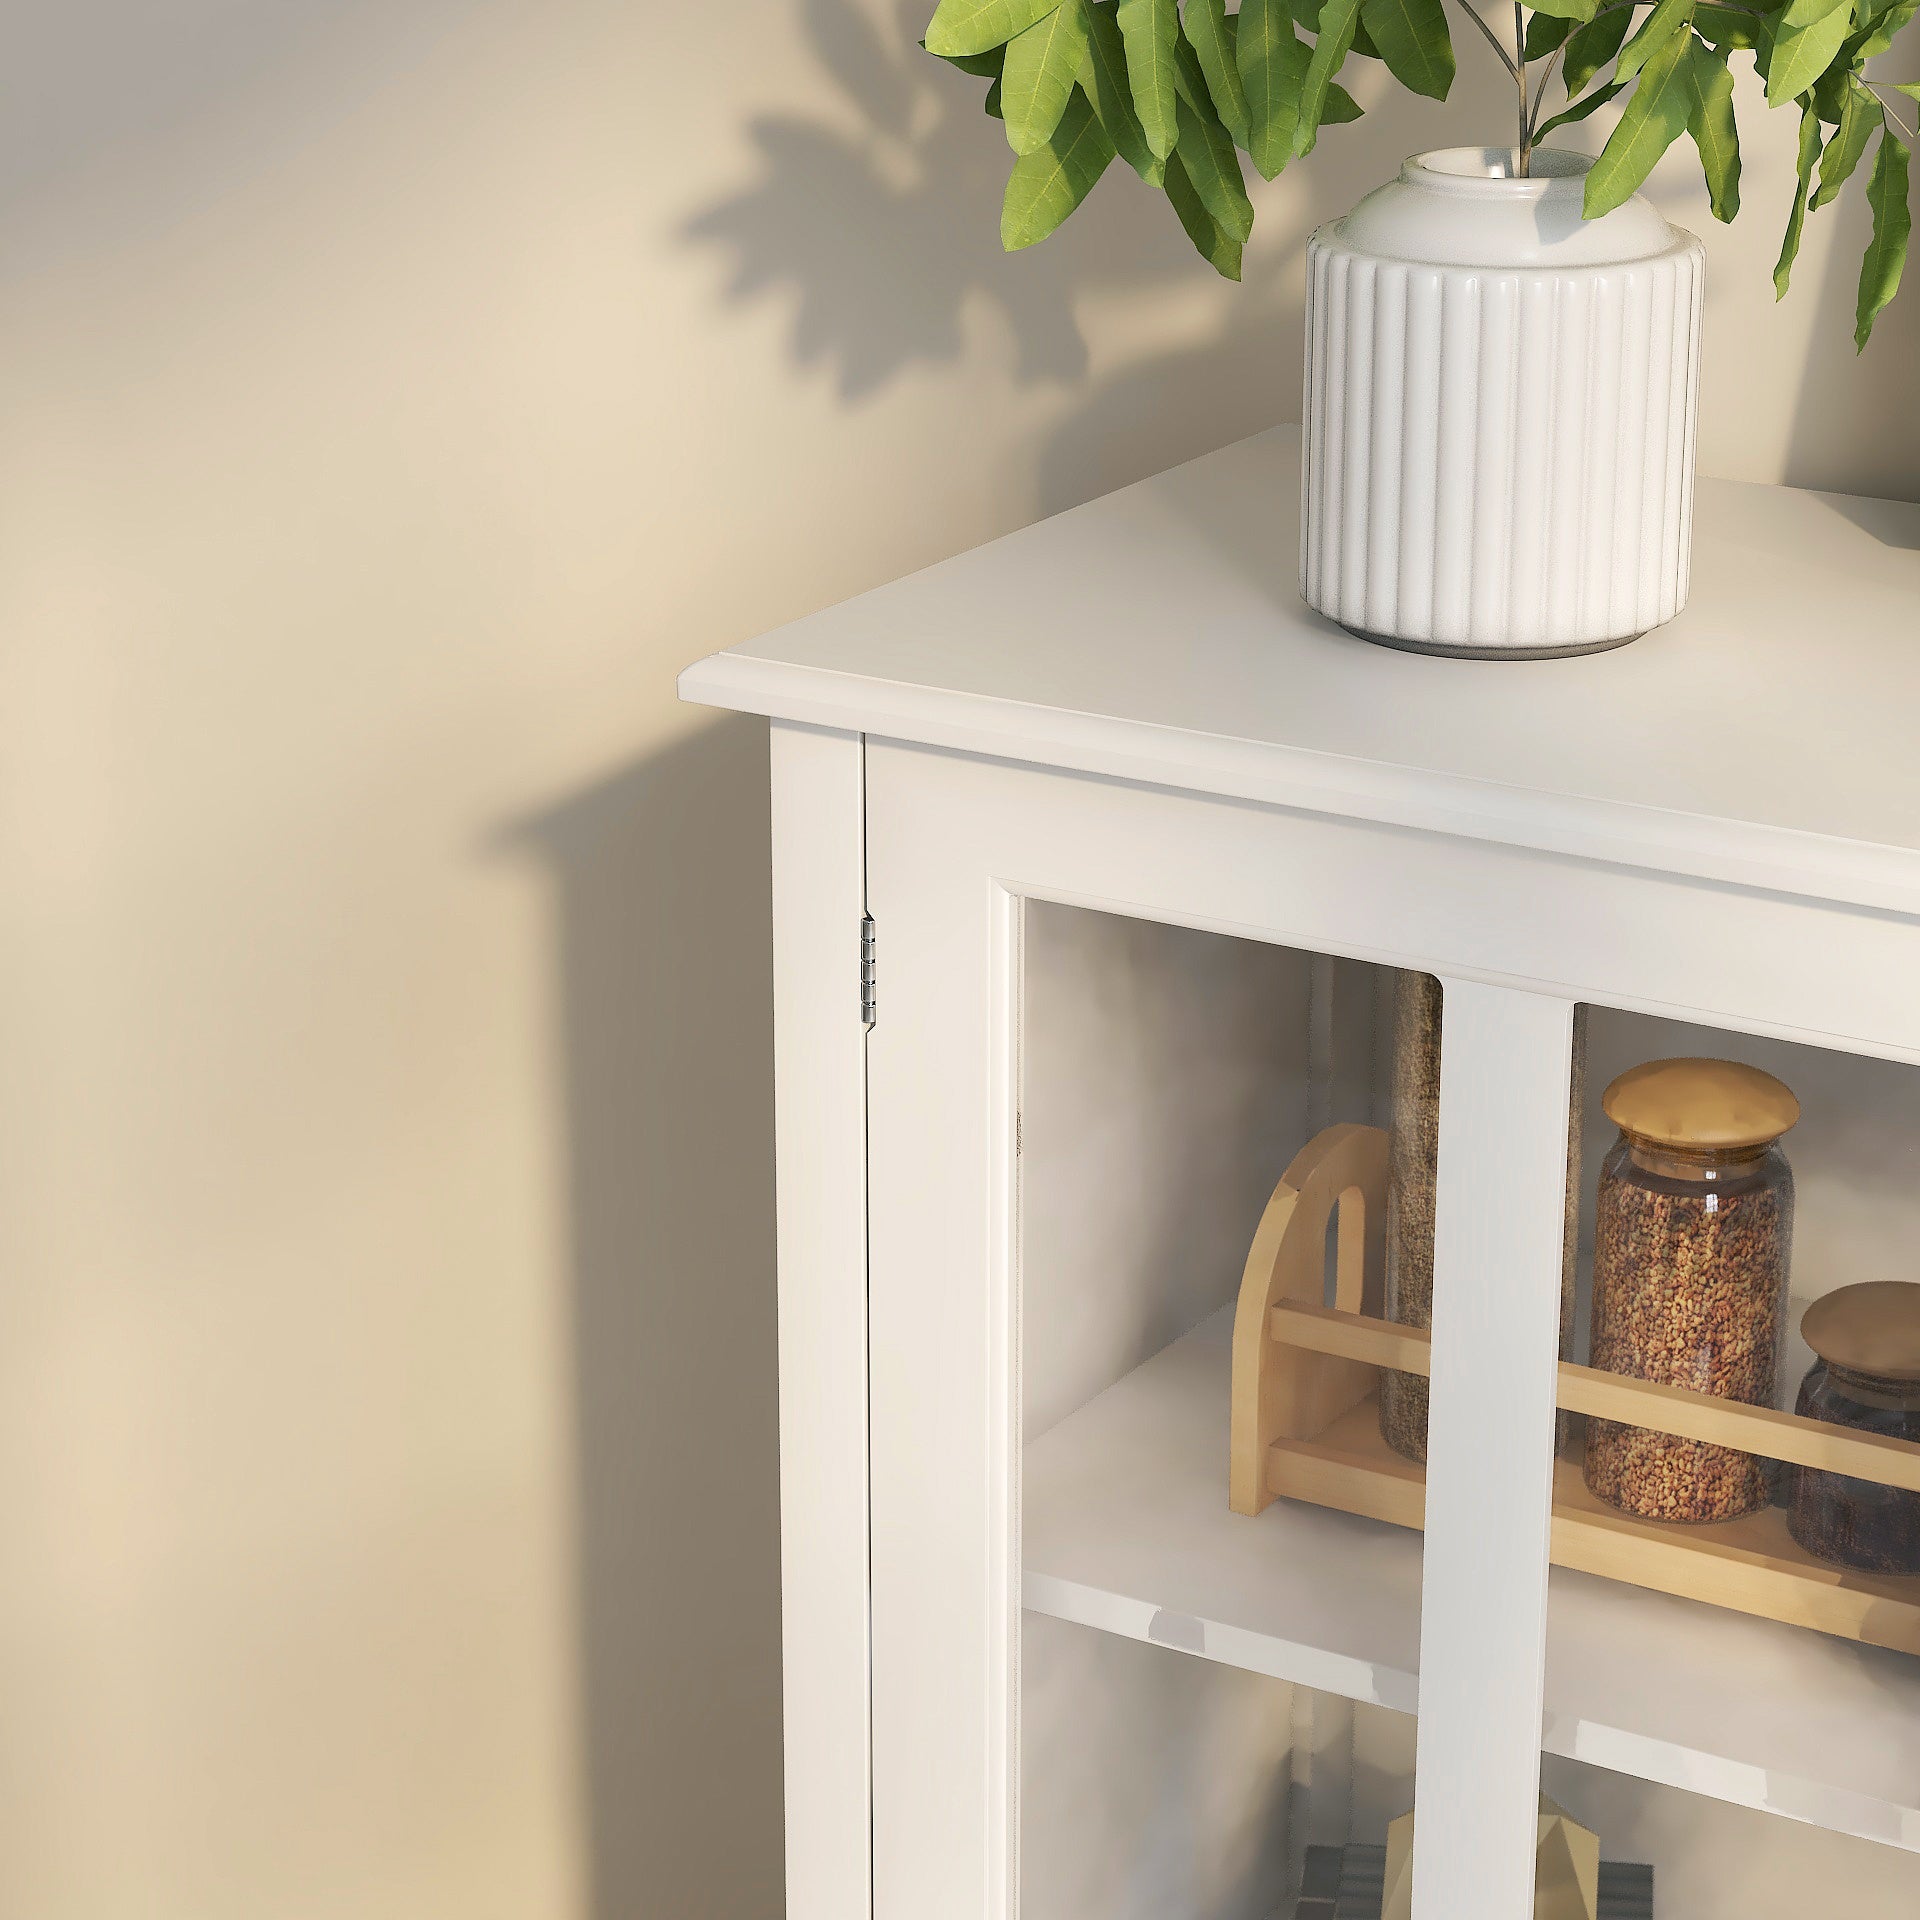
{"x": 1867, "y": 1375}
{"x": 1411, "y": 1160}
{"x": 1693, "y": 1234}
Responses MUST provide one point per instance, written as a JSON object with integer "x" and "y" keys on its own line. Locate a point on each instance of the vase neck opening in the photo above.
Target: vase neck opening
{"x": 1495, "y": 171}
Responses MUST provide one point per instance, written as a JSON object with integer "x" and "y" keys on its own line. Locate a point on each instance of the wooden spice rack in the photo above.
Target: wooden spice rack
{"x": 1306, "y": 1422}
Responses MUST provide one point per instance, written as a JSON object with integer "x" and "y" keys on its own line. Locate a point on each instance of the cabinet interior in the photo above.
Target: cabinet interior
{"x": 1167, "y": 1077}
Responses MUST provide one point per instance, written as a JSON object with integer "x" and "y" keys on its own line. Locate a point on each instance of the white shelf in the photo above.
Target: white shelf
{"x": 1128, "y": 1530}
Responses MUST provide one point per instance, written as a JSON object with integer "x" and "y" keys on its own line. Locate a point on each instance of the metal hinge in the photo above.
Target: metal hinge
{"x": 868, "y": 1000}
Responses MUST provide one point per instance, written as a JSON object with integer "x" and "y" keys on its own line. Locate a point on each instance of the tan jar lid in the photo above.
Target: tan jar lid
{"x": 1713, "y": 1104}
{"x": 1872, "y": 1328}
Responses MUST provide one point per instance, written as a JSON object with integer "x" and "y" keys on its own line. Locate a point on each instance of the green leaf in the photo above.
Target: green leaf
{"x": 1047, "y": 184}
{"x": 1545, "y": 32}
{"x": 1724, "y": 27}
{"x": 1042, "y": 65}
{"x": 1151, "y": 31}
{"x": 1860, "y": 113}
{"x": 1911, "y": 88}
{"x": 973, "y": 26}
{"x": 1589, "y": 48}
{"x": 1340, "y": 108}
{"x": 1206, "y": 148}
{"x": 1272, "y": 59}
{"x": 993, "y": 105}
{"x": 1414, "y": 42}
{"x": 1338, "y": 19}
{"x": 1668, "y": 19}
{"x": 1710, "y": 121}
{"x": 1578, "y": 110}
{"x": 1883, "y": 21}
{"x": 1566, "y": 10}
{"x": 1805, "y": 39}
{"x": 983, "y": 66}
{"x": 1221, "y": 251}
{"x": 1103, "y": 78}
{"x": 1830, "y": 94}
{"x": 1307, "y": 13}
{"x": 1212, "y": 39}
{"x": 1212, "y": 168}
{"x": 1886, "y": 252}
{"x": 1797, "y": 215}
{"x": 1655, "y": 118}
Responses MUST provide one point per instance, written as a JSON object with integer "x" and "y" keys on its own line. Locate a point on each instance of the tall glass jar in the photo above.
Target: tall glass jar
{"x": 1413, "y": 1146}
{"x": 1693, "y": 1235}
{"x": 1867, "y": 1376}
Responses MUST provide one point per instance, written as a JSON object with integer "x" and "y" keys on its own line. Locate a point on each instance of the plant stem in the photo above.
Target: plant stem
{"x": 1532, "y": 119}
{"x": 1628, "y": 6}
{"x": 1888, "y": 110}
{"x": 1520, "y": 81}
{"x": 1540, "y": 92}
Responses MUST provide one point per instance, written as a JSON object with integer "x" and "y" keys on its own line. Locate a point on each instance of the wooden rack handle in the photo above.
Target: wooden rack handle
{"x": 1613, "y": 1396}
{"x": 1340, "y": 1175}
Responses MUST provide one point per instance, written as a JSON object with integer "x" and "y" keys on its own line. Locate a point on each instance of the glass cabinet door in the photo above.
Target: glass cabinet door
{"x": 1135, "y": 1067}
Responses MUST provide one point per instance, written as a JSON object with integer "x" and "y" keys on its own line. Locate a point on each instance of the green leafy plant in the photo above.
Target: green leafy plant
{"x": 1179, "y": 91}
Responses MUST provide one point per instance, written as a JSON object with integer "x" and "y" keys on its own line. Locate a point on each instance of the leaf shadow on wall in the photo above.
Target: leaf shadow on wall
{"x": 663, "y": 931}
{"x": 884, "y": 229}
{"x": 1244, "y": 372}
{"x": 1242, "y": 375}
{"x": 1845, "y": 401}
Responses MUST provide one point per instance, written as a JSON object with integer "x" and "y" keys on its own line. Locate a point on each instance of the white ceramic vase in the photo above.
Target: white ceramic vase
{"x": 1499, "y": 414}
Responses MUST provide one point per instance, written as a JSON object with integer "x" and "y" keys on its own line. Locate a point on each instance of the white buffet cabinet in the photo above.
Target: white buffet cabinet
{"x": 1132, "y": 843}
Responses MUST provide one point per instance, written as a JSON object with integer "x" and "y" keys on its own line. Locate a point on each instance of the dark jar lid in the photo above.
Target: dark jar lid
{"x": 1872, "y": 1330}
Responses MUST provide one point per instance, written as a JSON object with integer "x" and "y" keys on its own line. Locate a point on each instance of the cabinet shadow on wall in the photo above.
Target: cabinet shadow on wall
{"x": 663, "y": 928}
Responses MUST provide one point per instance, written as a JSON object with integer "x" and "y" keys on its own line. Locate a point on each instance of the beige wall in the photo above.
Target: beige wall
{"x": 393, "y": 395}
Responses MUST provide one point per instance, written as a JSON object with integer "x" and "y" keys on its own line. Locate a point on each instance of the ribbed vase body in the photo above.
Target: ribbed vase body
{"x": 1498, "y": 454}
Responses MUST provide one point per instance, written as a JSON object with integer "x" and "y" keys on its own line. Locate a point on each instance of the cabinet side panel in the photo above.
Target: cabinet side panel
{"x": 820, "y": 1100}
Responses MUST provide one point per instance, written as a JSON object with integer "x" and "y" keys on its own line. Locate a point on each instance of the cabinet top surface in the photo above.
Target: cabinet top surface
{"x": 1765, "y": 737}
